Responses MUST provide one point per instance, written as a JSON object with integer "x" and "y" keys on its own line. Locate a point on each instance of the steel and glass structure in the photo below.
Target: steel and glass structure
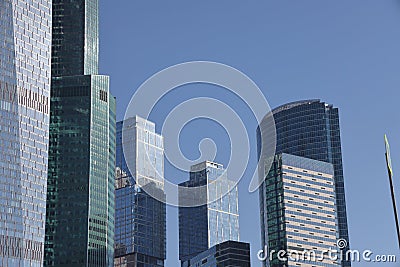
{"x": 81, "y": 177}
{"x": 299, "y": 211}
{"x": 203, "y": 227}
{"x": 228, "y": 253}
{"x": 25, "y": 47}
{"x": 390, "y": 174}
{"x": 140, "y": 219}
{"x": 310, "y": 129}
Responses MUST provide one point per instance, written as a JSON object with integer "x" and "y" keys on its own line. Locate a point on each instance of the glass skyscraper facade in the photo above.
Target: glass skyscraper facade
{"x": 226, "y": 254}
{"x": 140, "y": 219}
{"x": 81, "y": 177}
{"x": 205, "y": 226}
{"x": 299, "y": 211}
{"x": 25, "y": 47}
{"x": 310, "y": 129}
{"x": 75, "y": 40}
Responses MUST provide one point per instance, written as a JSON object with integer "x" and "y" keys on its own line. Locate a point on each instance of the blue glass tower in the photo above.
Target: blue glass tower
{"x": 228, "y": 253}
{"x": 25, "y": 49}
{"x": 203, "y": 227}
{"x": 140, "y": 222}
{"x": 310, "y": 129}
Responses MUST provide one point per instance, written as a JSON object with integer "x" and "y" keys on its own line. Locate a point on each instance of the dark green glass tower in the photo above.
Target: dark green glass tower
{"x": 80, "y": 193}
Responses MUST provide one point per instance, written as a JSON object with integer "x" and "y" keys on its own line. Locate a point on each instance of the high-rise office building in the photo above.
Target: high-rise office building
{"x": 311, "y": 129}
{"x": 205, "y": 226}
{"x": 228, "y": 253}
{"x": 299, "y": 212}
{"x": 81, "y": 178}
{"x": 25, "y": 47}
{"x": 140, "y": 219}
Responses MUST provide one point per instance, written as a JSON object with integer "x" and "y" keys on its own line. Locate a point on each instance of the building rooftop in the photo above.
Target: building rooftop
{"x": 206, "y": 164}
{"x": 137, "y": 121}
{"x": 294, "y": 104}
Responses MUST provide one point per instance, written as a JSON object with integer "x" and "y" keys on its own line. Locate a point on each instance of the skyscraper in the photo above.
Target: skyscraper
{"x": 228, "y": 253}
{"x": 25, "y": 47}
{"x": 203, "y": 227}
{"x": 81, "y": 178}
{"x": 299, "y": 211}
{"x": 140, "y": 219}
{"x": 310, "y": 129}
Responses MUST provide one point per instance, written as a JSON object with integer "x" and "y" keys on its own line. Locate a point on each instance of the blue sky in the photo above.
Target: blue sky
{"x": 345, "y": 52}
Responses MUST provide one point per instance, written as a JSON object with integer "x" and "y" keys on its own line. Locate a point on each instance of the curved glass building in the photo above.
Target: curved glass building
{"x": 25, "y": 48}
{"x": 310, "y": 129}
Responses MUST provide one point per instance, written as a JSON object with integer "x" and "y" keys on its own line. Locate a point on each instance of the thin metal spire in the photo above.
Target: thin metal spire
{"x": 390, "y": 172}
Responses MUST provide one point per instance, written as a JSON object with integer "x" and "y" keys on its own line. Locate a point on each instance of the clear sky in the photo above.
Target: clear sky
{"x": 345, "y": 52}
